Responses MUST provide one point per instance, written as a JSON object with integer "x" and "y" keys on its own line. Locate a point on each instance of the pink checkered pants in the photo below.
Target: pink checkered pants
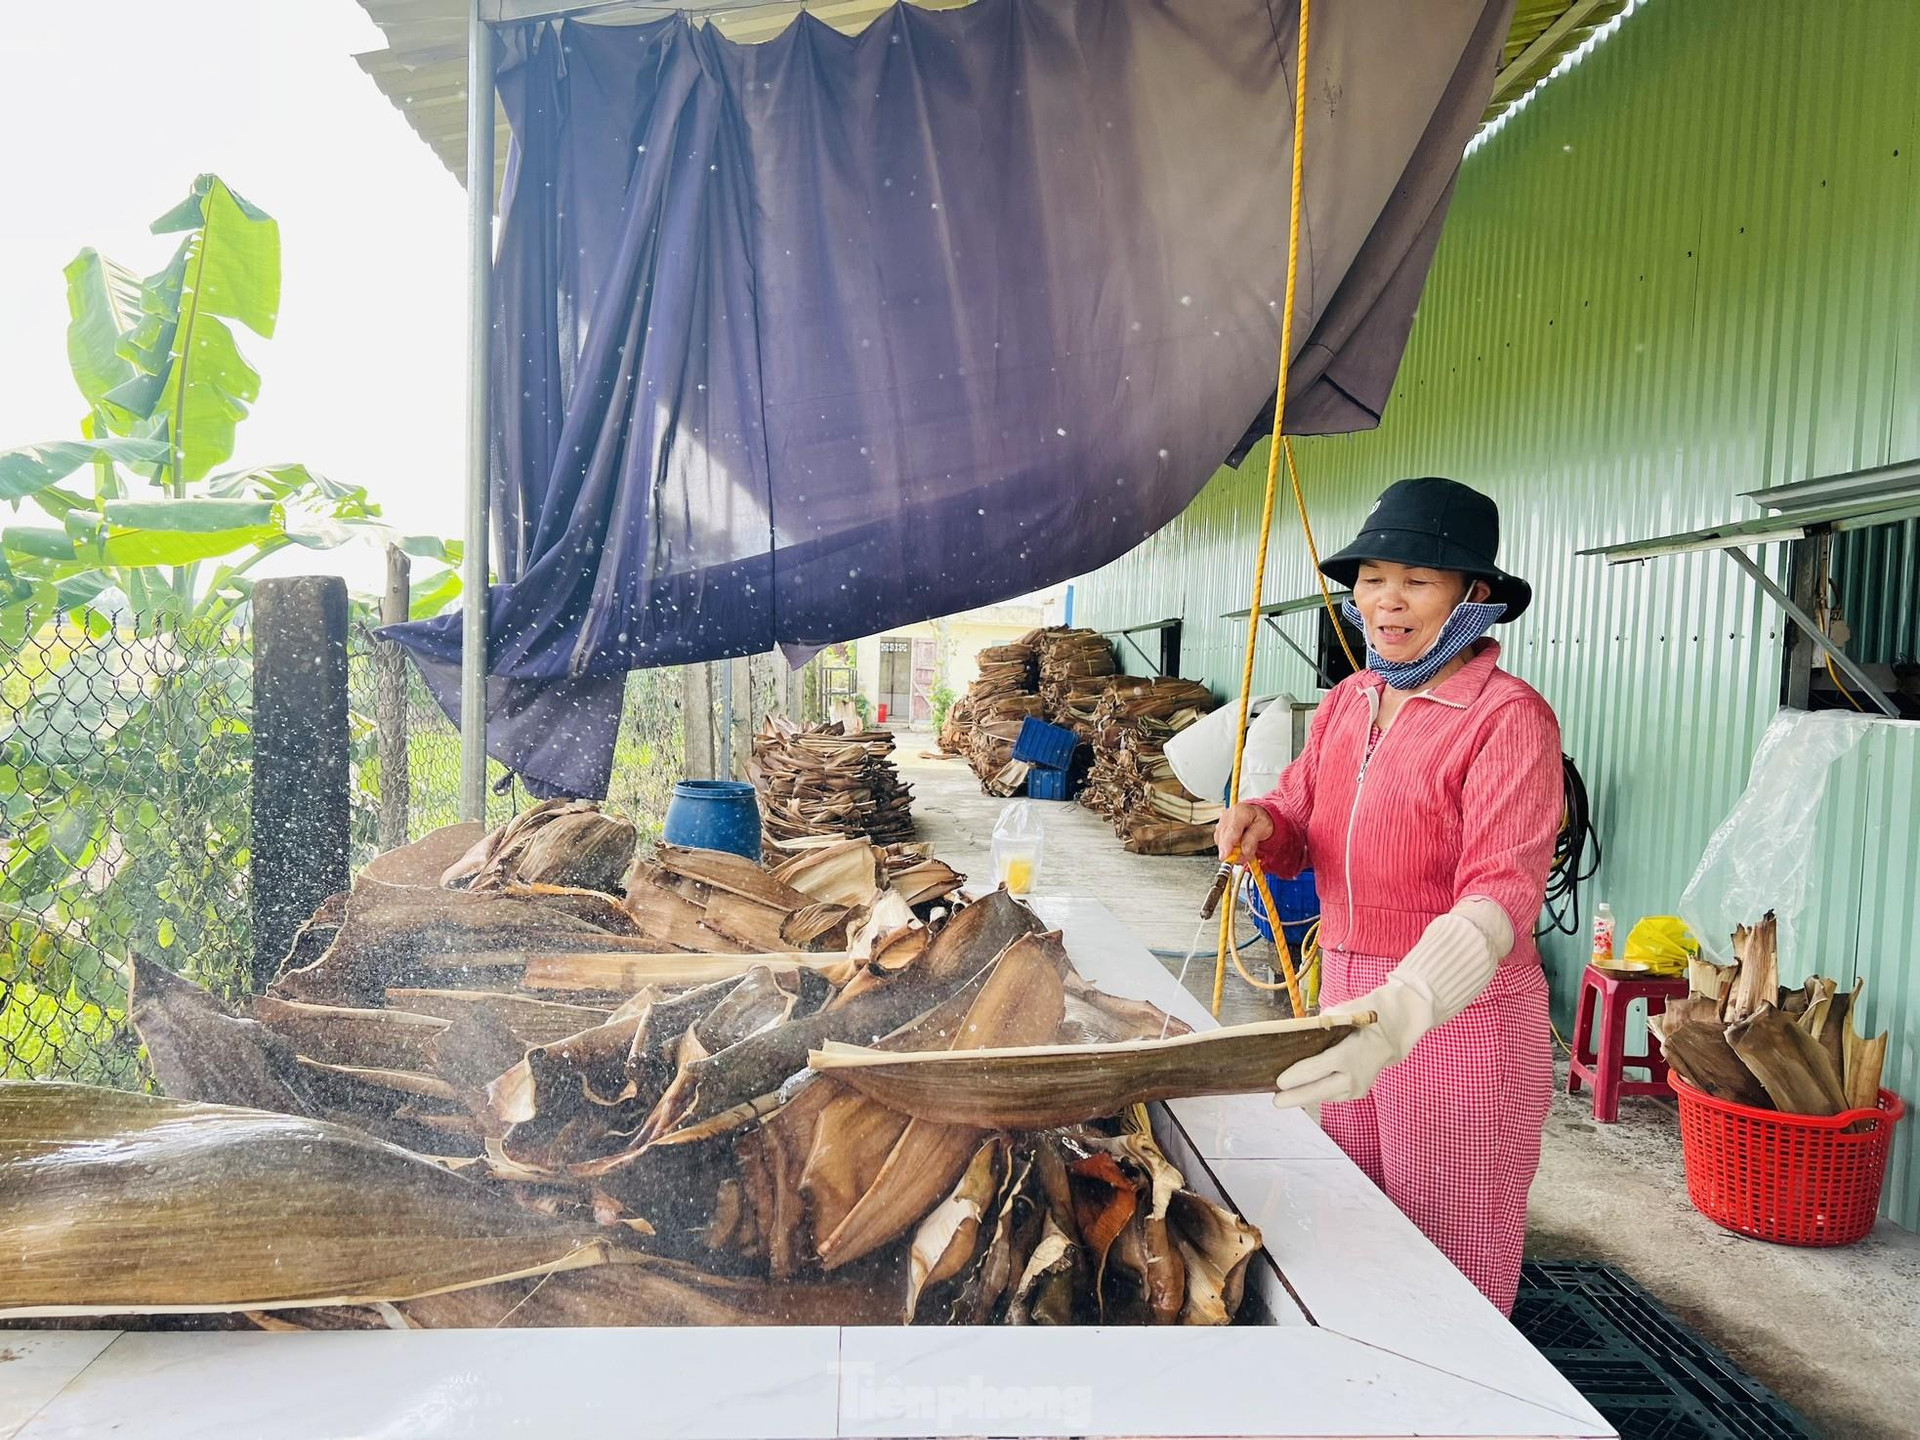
{"x": 1452, "y": 1133}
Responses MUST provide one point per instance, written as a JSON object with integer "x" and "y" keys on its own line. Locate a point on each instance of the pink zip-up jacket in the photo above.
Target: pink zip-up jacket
{"x": 1462, "y": 797}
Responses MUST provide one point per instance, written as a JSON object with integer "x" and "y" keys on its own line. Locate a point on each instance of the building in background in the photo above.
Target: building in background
{"x": 902, "y": 668}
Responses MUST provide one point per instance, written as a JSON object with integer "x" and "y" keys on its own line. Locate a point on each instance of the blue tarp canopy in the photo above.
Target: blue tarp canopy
{"x": 798, "y": 341}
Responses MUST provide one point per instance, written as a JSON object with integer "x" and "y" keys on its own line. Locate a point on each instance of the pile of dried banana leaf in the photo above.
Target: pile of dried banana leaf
{"x": 1742, "y": 1036}
{"x": 980, "y": 724}
{"x": 1067, "y": 659}
{"x": 1131, "y": 781}
{"x": 820, "y": 780}
{"x": 520, "y": 1104}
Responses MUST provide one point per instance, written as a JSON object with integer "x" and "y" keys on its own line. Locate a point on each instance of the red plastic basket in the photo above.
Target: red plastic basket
{"x": 1791, "y": 1179}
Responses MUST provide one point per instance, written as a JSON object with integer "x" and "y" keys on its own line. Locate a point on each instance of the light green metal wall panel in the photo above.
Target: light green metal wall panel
{"x": 1688, "y": 269}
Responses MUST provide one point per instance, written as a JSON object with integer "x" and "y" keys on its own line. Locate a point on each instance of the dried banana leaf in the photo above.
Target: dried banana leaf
{"x": 849, "y": 1145}
{"x": 557, "y": 842}
{"x": 1094, "y": 1017}
{"x": 1014, "y": 1229}
{"x": 842, "y": 872}
{"x": 1043, "y": 1295}
{"x": 966, "y": 944}
{"x": 426, "y": 859}
{"x": 666, "y": 917}
{"x": 816, "y": 927}
{"x": 1104, "y": 1203}
{"x": 752, "y": 924}
{"x": 1788, "y": 1062}
{"x": 1839, "y": 1020}
{"x": 1704, "y": 978}
{"x": 530, "y": 1021}
{"x": 1690, "y": 1010}
{"x": 397, "y": 935}
{"x": 1756, "y": 979}
{"x": 1036, "y": 1087}
{"x": 1021, "y": 998}
{"x": 128, "y": 1203}
{"x": 620, "y": 973}
{"x": 1699, "y": 1053}
{"x": 926, "y": 883}
{"x": 1863, "y": 1060}
{"x": 729, "y": 874}
{"x": 342, "y": 1035}
{"x": 1215, "y": 1245}
{"x": 400, "y": 1082}
{"x": 600, "y": 910}
{"x": 316, "y": 933}
{"x": 200, "y": 1052}
{"x": 946, "y": 1240}
{"x": 849, "y": 1137}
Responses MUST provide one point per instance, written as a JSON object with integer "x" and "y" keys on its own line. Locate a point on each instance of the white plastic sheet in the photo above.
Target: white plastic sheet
{"x": 1762, "y": 856}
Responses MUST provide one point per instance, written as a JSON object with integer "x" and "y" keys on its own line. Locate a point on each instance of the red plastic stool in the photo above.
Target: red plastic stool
{"x": 1602, "y": 1068}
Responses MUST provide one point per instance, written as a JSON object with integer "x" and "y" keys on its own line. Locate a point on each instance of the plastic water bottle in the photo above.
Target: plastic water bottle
{"x": 1603, "y": 934}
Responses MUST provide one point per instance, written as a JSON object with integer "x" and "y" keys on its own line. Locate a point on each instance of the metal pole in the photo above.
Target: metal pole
{"x": 726, "y": 719}
{"x": 473, "y": 628}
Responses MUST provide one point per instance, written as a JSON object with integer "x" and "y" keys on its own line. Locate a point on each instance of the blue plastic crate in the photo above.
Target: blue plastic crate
{"x": 1047, "y": 745}
{"x": 1044, "y": 784}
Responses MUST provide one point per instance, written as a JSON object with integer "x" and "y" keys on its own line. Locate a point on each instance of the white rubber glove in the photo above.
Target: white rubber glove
{"x": 1452, "y": 963}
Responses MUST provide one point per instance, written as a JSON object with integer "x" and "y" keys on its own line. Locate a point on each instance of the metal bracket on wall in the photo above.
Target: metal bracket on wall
{"x": 1805, "y": 510}
{"x": 1270, "y": 617}
{"x": 1169, "y": 632}
{"x": 1812, "y": 631}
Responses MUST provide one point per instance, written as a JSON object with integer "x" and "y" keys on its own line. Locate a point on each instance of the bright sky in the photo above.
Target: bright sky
{"x": 111, "y": 107}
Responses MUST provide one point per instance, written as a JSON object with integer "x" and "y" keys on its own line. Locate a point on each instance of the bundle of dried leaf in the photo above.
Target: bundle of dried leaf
{"x": 557, "y": 842}
{"x": 1742, "y": 1036}
{"x": 819, "y": 780}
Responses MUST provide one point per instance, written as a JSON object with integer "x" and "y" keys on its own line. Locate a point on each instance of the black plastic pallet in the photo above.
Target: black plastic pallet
{"x": 1652, "y": 1377}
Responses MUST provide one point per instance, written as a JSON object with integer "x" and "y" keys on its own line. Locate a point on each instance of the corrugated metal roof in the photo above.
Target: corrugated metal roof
{"x": 423, "y": 70}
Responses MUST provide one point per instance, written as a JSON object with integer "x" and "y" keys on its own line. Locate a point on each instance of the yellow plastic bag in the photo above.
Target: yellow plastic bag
{"x": 1662, "y": 945}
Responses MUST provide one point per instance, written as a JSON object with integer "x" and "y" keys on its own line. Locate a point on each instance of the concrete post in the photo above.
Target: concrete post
{"x": 697, "y": 716}
{"x": 300, "y": 758}
{"x": 390, "y": 706}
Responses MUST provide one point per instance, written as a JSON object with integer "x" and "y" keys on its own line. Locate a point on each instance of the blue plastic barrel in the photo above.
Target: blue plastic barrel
{"x": 1299, "y": 904}
{"x": 714, "y": 815}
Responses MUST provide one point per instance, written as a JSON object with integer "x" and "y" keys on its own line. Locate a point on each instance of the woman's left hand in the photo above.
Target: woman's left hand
{"x": 1345, "y": 1071}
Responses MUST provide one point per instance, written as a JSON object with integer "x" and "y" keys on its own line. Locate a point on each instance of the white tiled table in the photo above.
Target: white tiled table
{"x": 1373, "y": 1333}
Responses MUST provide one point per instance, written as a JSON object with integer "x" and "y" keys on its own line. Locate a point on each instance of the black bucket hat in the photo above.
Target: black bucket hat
{"x": 1435, "y": 524}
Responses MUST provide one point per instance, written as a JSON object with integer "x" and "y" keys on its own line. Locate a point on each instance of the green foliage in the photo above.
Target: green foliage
{"x": 157, "y": 361}
{"x": 862, "y": 707}
{"x": 124, "y": 784}
{"x": 943, "y": 698}
{"x": 125, "y": 677}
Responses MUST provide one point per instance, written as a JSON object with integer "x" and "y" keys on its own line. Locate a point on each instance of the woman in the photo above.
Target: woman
{"x": 1427, "y": 801}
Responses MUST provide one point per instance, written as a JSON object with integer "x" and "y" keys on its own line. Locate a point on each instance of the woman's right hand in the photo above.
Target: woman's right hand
{"x": 1242, "y": 831}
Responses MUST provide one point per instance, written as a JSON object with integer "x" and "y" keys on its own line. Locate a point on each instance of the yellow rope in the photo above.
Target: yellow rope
{"x": 1306, "y": 525}
{"x": 1226, "y": 946}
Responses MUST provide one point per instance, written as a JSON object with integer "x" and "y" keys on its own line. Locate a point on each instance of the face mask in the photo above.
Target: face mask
{"x": 1468, "y": 622}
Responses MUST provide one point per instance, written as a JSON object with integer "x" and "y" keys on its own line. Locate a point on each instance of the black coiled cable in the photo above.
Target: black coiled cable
{"x": 1576, "y": 857}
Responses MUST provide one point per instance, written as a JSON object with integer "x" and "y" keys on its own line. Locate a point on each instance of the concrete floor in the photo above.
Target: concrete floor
{"x": 1835, "y": 1333}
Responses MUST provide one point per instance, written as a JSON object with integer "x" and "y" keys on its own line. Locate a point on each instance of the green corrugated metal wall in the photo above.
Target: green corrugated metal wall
{"x": 1688, "y": 269}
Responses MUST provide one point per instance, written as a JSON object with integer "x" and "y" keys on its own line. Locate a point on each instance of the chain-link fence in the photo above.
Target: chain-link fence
{"x": 125, "y": 753}
{"x": 125, "y": 779}
{"x": 648, "y": 757}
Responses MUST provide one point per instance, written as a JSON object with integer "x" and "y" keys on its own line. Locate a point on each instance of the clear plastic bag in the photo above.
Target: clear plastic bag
{"x": 1018, "y": 844}
{"x": 1762, "y": 857}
